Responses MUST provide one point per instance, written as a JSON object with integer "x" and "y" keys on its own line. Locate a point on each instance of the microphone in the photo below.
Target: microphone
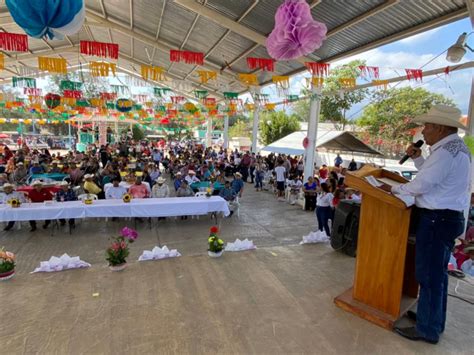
{"x": 406, "y": 156}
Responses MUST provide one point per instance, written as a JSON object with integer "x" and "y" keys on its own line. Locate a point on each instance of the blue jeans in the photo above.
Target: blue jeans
{"x": 259, "y": 180}
{"x": 435, "y": 237}
{"x": 323, "y": 214}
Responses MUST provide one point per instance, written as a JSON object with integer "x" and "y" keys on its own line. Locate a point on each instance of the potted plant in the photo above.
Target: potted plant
{"x": 7, "y": 265}
{"x": 216, "y": 245}
{"x": 118, "y": 251}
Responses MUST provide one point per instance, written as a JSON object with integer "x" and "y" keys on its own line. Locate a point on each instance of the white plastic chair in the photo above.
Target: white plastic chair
{"x": 200, "y": 194}
{"x": 235, "y": 206}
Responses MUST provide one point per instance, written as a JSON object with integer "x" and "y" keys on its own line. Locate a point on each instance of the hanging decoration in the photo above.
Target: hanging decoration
{"x": 347, "y": 82}
{"x": 188, "y": 57}
{"x": 177, "y": 99}
{"x": 261, "y": 63}
{"x": 209, "y": 101}
{"x": 282, "y": 84}
{"x": 32, "y": 91}
{"x": 249, "y": 107}
{"x": 140, "y": 98}
{"x": 190, "y": 107}
{"x": 102, "y": 68}
{"x": 68, "y": 101}
{"x": 381, "y": 83}
{"x": 124, "y": 105}
{"x": 48, "y": 18}
{"x": 318, "y": 69}
{"x": 150, "y": 72}
{"x": 97, "y": 102}
{"x": 70, "y": 85}
{"x": 21, "y": 82}
{"x": 260, "y": 98}
{"x": 248, "y": 79}
{"x": 119, "y": 89}
{"x": 2, "y": 61}
{"x": 296, "y": 34}
{"x": 446, "y": 70}
{"x": 231, "y": 95}
{"x": 315, "y": 81}
{"x": 72, "y": 94}
{"x": 414, "y": 74}
{"x": 108, "y": 96}
{"x": 270, "y": 107}
{"x": 53, "y": 65}
{"x": 206, "y": 75}
{"x": 100, "y": 49}
{"x": 161, "y": 92}
{"x": 371, "y": 72}
{"x": 201, "y": 94}
{"x": 52, "y": 100}
{"x": 13, "y": 42}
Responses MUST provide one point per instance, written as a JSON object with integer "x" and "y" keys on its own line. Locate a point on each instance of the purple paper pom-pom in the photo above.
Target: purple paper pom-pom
{"x": 295, "y": 34}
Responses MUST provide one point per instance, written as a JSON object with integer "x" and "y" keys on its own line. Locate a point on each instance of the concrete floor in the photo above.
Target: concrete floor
{"x": 275, "y": 300}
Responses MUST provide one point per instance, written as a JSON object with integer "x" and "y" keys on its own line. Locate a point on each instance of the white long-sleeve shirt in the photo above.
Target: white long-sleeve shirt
{"x": 324, "y": 199}
{"x": 444, "y": 178}
{"x": 115, "y": 193}
{"x": 160, "y": 191}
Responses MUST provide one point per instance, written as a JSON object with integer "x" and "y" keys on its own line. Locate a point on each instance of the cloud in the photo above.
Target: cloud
{"x": 419, "y": 38}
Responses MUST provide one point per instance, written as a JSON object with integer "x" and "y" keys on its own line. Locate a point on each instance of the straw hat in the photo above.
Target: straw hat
{"x": 178, "y": 173}
{"x": 442, "y": 115}
{"x": 88, "y": 176}
{"x": 8, "y": 185}
{"x": 63, "y": 183}
{"x": 160, "y": 180}
{"x": 37, "y": 183}
{"x": 238, "y": 174}
{"x": 191, "y": 172}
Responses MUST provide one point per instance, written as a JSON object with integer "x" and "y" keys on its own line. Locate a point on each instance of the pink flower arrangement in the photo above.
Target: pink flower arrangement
{"x": 118, "y": 251}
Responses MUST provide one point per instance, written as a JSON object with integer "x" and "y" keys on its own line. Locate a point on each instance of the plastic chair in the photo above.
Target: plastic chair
{"x": 200, "y": 194}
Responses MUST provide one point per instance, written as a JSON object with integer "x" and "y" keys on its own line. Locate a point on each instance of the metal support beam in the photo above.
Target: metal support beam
{"x": 228, "y": 23}
{"x": 226, "y": 131}
{"x": 209, "y": 131}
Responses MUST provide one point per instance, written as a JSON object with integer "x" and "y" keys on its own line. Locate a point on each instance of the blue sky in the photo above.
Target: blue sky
{"x": 413, "y": 53}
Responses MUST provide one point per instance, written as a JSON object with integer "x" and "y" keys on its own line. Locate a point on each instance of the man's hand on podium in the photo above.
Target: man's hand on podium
{"x": 386, "y": 187}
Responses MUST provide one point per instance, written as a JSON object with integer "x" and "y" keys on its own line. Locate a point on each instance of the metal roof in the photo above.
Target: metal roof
{"x": 229, "y": 31}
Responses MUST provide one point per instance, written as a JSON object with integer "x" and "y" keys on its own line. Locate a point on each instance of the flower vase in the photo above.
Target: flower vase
{"x": 215, "y": 255}
{"x": 7, "y": 275}
{"x": 119, "y": 267}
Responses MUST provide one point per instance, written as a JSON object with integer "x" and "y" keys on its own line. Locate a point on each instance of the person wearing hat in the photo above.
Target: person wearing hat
{"x": 55, "y": 169}
{"x": 178, "y": 179}
{"x": 90, "y": 186}
{"x": 160, "y": 190}
{"x": 191, "y": 177}
{"x": 63, "y": 195}
{"x": 36, "y": 168}
{"x": 238, "y": 184}
{"x": 8, "y": 194}
{"x": 39, "y": 195}
{"x": 441, "y": 189}
{"x": 20, "y": 174}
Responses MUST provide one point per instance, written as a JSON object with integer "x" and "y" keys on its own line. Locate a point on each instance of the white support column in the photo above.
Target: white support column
{"x": 470, "y": 112}
{"x": 256, "y": 119}
{"x": 226, "y": 131}
{"x": 315, "y": 108}
{"x": 209, "y": 132}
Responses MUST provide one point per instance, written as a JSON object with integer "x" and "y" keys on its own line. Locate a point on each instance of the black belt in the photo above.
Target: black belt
{"x": 443, "y": 213}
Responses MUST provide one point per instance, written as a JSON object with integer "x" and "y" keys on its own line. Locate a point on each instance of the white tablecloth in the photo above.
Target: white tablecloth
{"x": 150, "y": 207}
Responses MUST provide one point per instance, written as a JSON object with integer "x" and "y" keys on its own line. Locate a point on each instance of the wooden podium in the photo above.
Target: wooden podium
{"x": 384, "y": 283}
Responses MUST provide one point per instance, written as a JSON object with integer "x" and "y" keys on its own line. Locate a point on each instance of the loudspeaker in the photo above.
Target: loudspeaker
{"x": 345, "y": 227}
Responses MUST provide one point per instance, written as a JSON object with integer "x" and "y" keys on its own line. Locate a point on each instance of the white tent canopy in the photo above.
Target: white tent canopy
{"x": 329, "y": 140}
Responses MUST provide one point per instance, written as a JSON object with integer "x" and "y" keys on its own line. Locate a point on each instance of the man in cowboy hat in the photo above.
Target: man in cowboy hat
{"x": 178, "y": 180}
{"x": 191, "y": 177}
{"x": 160, "y": 190}
{"x": 238, "y": 184}
{"x": 441, "y": 190}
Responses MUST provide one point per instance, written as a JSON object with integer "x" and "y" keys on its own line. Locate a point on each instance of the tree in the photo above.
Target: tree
{"x": 276, "y": 125}
{"x": 240, "y": 129}
{"x": 388, "y": 119}
{"x": 91, "y": 86}
{"x": 335, "y": 101}
{"x": 138, "y": 133}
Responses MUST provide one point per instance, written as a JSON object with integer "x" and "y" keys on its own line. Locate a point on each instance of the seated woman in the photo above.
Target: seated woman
{"x": 295, "y": 186}
{"x": 309, "y": 189}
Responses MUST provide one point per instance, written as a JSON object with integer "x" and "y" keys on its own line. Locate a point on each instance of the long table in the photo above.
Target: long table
{"x": 150, "y": 207}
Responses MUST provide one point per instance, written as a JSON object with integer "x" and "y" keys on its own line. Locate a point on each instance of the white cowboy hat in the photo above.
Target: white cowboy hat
{"x": 36, "y": 183}
{"x": 7, "y": 185}
{"x": 63, "y": 183}
{"x": 191, "y": 172}
{"x": 442, "y": 115}
{"x": 160, "y": 180}
{"x": 238, "y": 174}
{"x": 88, "y": 176}
{"x": 178, "y": 173}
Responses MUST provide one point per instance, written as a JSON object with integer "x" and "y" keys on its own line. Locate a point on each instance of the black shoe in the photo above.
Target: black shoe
{"x": 412, "y": 334}
{"x": 45, "y": 226}
{"x": 62, "y": 223}
{"x": 411, "y": 316}
{"x": 231, "y": 213}
{"x": 33, "y": 229}
{"x": 7, "y": 228}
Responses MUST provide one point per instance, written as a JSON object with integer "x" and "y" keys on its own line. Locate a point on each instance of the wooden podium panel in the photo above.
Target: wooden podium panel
{"x": 381, "y": 276}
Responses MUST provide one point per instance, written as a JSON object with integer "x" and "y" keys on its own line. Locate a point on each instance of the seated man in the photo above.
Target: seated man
{"x": 6, "y": 196}
{"x": 38, "y": 195}
{"x": 66, "y": 194}
{"x": 160, "y": 190}
{"x": 228, "y": 194}
{"x": 36, "y": 168}
{"x": 90, "y": 186}
{"x": 238, "y": 184}
{"x": 178, "y": 181}
{"x": 138, "y": 190}
{"x": 54, "y": 168}
{"x": 191, "y": 177}
{"x": 184, "y": 190}
{"x": 115, "y": 192}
